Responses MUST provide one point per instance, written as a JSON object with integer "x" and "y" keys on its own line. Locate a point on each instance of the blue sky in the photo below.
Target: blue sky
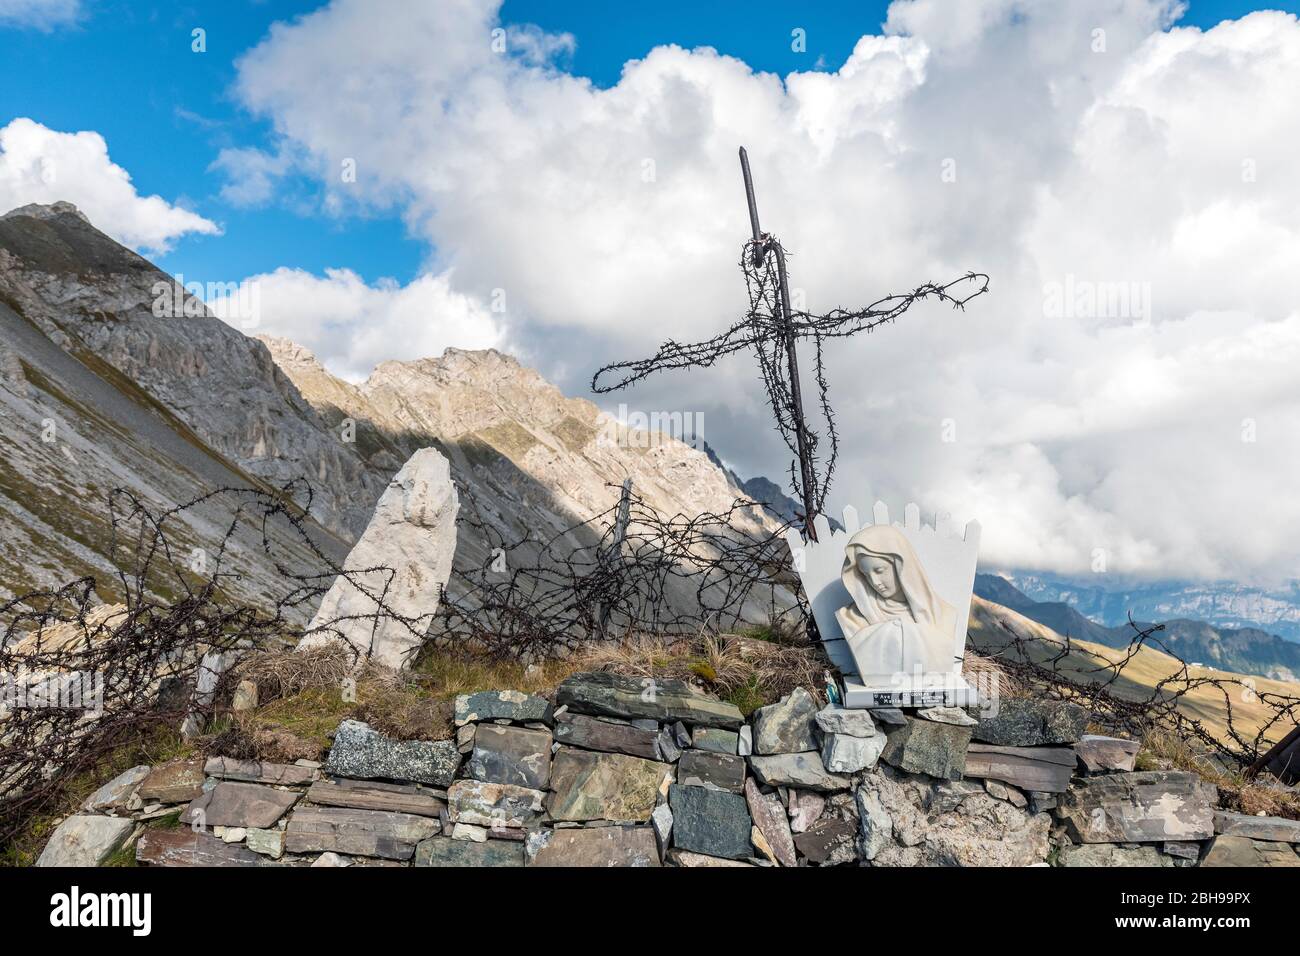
{"x": 127, "y": 71}
{"x": 612, "y": 218}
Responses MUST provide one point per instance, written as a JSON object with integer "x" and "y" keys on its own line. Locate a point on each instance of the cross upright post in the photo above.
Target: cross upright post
{"x": 760, "y": 250}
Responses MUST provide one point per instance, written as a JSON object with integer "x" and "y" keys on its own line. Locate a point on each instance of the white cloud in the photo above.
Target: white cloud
{"x": 41, "y": 165}
{"x": 352, "y": 326}
{"x": 1094, "y": 148}
{"x": 42, "y": 15}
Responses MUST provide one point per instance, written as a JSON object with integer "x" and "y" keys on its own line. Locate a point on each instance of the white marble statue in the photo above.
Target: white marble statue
{"x": 897, "y": 623}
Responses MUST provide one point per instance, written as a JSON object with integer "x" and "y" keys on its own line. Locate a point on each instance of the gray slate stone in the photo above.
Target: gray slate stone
{"x": 257, "y": 771}
{"x": 715, "y": 740}
{"x": 602, "y": 846}
{"x": 115, "y": 794}
{"x": 510, "y": 705}
{"x": 786, "y": 726}
{"x": 717, "y": 771}
{"x": 710, "y": 822}
{"x": 804, "y": 770}
{"x": 828, "y": 842}
{"x": 588, "y": 785}
{"x": 616, "y": 695}
{"x": 875, "y": 825}
{"x": 1151, "y": 806}
{"x": 1242, "y": 851}
{"x": 1025, "y": 722}
{"x": 1108, "y": 854}
{"x": 187, "y": 848}
{"x": 1104, "y": 754}
{"x": 494, "y": 805}
{"x": 947, "y": 715}
{"x": 1044, "y": 769}
{"x": 512, "y": 755}
{"x": 833, "y": 719}
{"x": 375, "y": 795}
{"x": 444, "y": 851}
{"x": 844, "y": 753}
{"x": 362, "y": 752}
{"x": 232, "y": 804}
{"x": 1275, "y": 829}
{"x": 923, "y": 746}
{"x": 611, "y": 736}
{"x": 390, "y": 836}
{"x": 85, "y": 841}
{"x": 770, "y": 817}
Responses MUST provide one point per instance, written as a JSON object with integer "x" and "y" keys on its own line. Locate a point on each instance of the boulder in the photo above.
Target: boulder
{"x": 770, "y": 818}
{"x": 1026, "y": 722}
{"x": 361, "y": 752}
{"x": 923, "y": 746}
{"x": 787, "y": 726}
{"x": 115, "y": 794}
{"x": 1044, "y": 769}
{"x": 511, "y": 755}
{"x": 512, "y": 705}
{"x": 494, "y": 805}
{"x": 662, "y": 821}
{"x": 700, "y": 768}
{"x": 409, "y": 542}
{"x": 843, "y": 753}
{"x": 602, "y": 846}
{"x": 804, "y": 770}
{"x": 231, "y": 804}
{"x": 1146, "y": 807}
{"x": 588, "y": 785}
{"x": 604, "y": 733}
{"x": 1108, "y": 854}
{"x": 710, "y": 822}
{"x": 615, "y": 695}
{"x": 444, "y": 851}
{"x": 85, "y": 841}
{"x": 1275, "y": 829}
{"x": 1242, "y": 851}
{"x": 1106, "y": 754}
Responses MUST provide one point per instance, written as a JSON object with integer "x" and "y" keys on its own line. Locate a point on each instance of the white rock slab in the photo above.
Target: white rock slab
{"x": 85, "y": 841}
{"x": 412, "y": 532}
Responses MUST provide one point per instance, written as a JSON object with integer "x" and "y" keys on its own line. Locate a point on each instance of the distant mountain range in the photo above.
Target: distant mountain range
{"x": 1221, "y": 603}
{"x": 1243, "y": 650}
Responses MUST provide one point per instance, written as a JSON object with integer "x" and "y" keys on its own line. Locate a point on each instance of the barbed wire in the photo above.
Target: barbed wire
{"x": 764, "y": 329}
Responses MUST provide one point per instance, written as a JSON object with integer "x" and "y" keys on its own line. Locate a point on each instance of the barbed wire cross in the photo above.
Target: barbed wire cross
{"x": 773, "y": 329}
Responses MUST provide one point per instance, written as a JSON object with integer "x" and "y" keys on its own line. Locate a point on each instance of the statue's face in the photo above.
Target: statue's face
{"x": 880, "y": 574}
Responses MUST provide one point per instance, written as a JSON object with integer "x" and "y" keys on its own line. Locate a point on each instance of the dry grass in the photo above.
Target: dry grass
{"x": 750, "y": 672}
{"x": 1162, "y": 750}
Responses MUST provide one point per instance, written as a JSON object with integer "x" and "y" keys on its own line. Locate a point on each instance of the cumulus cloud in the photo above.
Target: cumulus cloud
{"x": 41, "y": 165}
{"x": 352, "y": 326}
{"x": 42, "y": 15}
{"x": 1124, "y": 390}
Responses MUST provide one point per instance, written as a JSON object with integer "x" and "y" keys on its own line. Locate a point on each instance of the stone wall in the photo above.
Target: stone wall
{"x": 624, "y": 771}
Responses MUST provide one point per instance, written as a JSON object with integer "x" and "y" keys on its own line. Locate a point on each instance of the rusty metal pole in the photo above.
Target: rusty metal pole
{"x": 761, "y": 247}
